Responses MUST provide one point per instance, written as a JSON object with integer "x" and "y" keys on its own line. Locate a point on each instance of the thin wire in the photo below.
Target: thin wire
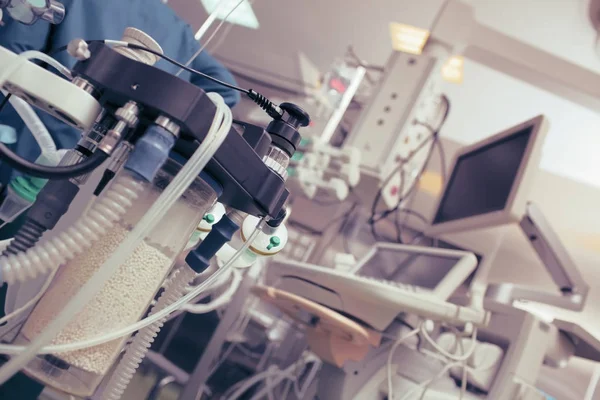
{"x": 191, "y": 60}
{"x": 391, "y": 356}
{"x": 463, "y": 382}
{"x": 186, "y": 68}
{"x": 446, "y": 354}
{"x": 5, "y": 101}
{"x": 436, "y": 143}
{"x": 164, "y": 57}
{"x": 426, "y": 384}
{"x": 32, "y": 301}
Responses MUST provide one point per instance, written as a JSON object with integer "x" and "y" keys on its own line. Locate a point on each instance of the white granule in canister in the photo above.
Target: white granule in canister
{"x": 122, "y": 302}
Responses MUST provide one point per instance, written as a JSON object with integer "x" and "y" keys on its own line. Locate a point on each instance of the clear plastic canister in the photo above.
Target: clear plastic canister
{"x": 126, "y": 297}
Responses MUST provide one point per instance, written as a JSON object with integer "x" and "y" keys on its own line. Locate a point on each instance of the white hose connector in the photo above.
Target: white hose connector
{"x": 144, "y": 338}
{"x": 75, "y": 240}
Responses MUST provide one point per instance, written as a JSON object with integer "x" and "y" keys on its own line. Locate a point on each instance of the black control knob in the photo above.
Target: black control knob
{"x": 296, "y": 116}
{"x": 284, "y": 131}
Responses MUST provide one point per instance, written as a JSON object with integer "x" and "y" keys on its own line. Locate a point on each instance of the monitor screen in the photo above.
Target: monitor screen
{"x": 482, "y": 180}
{"x": 418, "y": 269}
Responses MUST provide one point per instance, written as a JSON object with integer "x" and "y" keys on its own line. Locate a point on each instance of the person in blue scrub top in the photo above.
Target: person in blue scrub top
{"x": 95, "y": 20}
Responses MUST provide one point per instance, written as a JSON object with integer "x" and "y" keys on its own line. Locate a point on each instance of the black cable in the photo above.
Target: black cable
{"x": 273, "y": 110}
{"x": 191, "y": 70}
{"x": 263, "y": 102}
{"x": 5, "y": 101}
{"x": 346, "y": 216}
{"x": 166, "y": 58}
{"x": 408, "y": 212}
{"x": 318, "y": 232}
{"x": 268, "y": 85}
{"x": 436, "y": 143}
{"x": 442, "y": 154}
{"x": 435, "y": 137}
{"x": 65, "y": 47}
{"x": 42, "y": 171}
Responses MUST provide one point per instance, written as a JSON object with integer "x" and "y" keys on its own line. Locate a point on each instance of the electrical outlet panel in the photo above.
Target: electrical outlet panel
{"x": 414, "y": 142}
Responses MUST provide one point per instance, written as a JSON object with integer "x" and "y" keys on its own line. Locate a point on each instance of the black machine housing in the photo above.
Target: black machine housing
{"x": 248, "y": 184}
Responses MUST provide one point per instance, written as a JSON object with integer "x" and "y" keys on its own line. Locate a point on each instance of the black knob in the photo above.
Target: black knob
{"x": 296, "y": 116}
{"x": 284, "y": 131}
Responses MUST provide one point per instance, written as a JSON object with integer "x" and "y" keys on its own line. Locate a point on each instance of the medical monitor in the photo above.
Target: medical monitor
{"x": 490, "y": 180}
{"x": 440, "y": 271}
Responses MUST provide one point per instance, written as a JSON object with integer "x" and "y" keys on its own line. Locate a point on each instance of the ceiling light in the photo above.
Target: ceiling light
{"x": 453, "y": 69}
{"x": 408, "y": 39}
{"x": 243, "y": 15}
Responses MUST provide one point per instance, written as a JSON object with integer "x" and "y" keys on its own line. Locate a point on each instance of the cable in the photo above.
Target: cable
{"x": 32, "y": 301}
{"x": 347, "y": 217}
{"x": 425, "y": 385}
{"x": 5, "y": 101}
{"x": 38, "y": 55}
{"x": 436, "y": 142}
{"x": 442, "y": 153}
{"x": 220, "y": 301}
{"x": 42, "y": 171}
{"x": 446, "y": 354}
{"x": 395, "y": 346}
{"x": 211, "y": 37}
{"x": 268, "y": 85}
{"x": 263, "y": 102}
{"x": 408, "y": 212}
{"x": 191, "y": 70}
{"x": 209, "y": 21}
{"x": 328, "y": 225}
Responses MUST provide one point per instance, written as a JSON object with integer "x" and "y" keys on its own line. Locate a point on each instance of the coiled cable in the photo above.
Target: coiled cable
{"x": 142, "y": 341}
{"x": 267, "y": 105}
{"x": 76, "y": 239}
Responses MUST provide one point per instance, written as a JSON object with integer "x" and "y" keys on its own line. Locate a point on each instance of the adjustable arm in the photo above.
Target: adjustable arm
{"x": 558, "y": 263}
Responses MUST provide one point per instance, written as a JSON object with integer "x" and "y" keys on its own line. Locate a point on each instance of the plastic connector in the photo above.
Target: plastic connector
{"x": 52, "y": 203}
{"x": 220, "y": 234}
{"x": 20, "y": 195}
{"x": 151, "y": 152}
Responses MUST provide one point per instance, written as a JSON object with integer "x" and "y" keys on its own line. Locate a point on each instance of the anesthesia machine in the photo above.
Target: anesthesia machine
{"x": 188, "y": 199}
{"x": 173, "y": 161}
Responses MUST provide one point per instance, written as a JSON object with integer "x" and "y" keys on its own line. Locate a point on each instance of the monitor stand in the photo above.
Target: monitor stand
{"x": 558, "y": 263}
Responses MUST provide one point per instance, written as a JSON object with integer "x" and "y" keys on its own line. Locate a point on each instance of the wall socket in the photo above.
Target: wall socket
{"x": 425, "y": 116}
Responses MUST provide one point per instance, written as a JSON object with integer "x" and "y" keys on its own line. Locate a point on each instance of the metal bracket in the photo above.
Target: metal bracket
{"x": 558, "y": 263}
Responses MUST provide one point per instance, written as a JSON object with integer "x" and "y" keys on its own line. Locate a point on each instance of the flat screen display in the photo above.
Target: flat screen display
{"x": 394, "y": 265}
{"x": 483, "y": 179}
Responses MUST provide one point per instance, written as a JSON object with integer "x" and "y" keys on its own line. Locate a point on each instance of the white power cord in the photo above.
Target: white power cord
{"x": 33, "y": 55}
{"x": 425, "y": 385}
{"x": 38, "y": 55}
{"x": 449, "y": 356}
{"x": 220, "y": 301}
{"x": 201, "y": 32}
{"x": 277, "y": 376}
{"x": 395, "y": 346}
{"x": 32, "y": 301}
